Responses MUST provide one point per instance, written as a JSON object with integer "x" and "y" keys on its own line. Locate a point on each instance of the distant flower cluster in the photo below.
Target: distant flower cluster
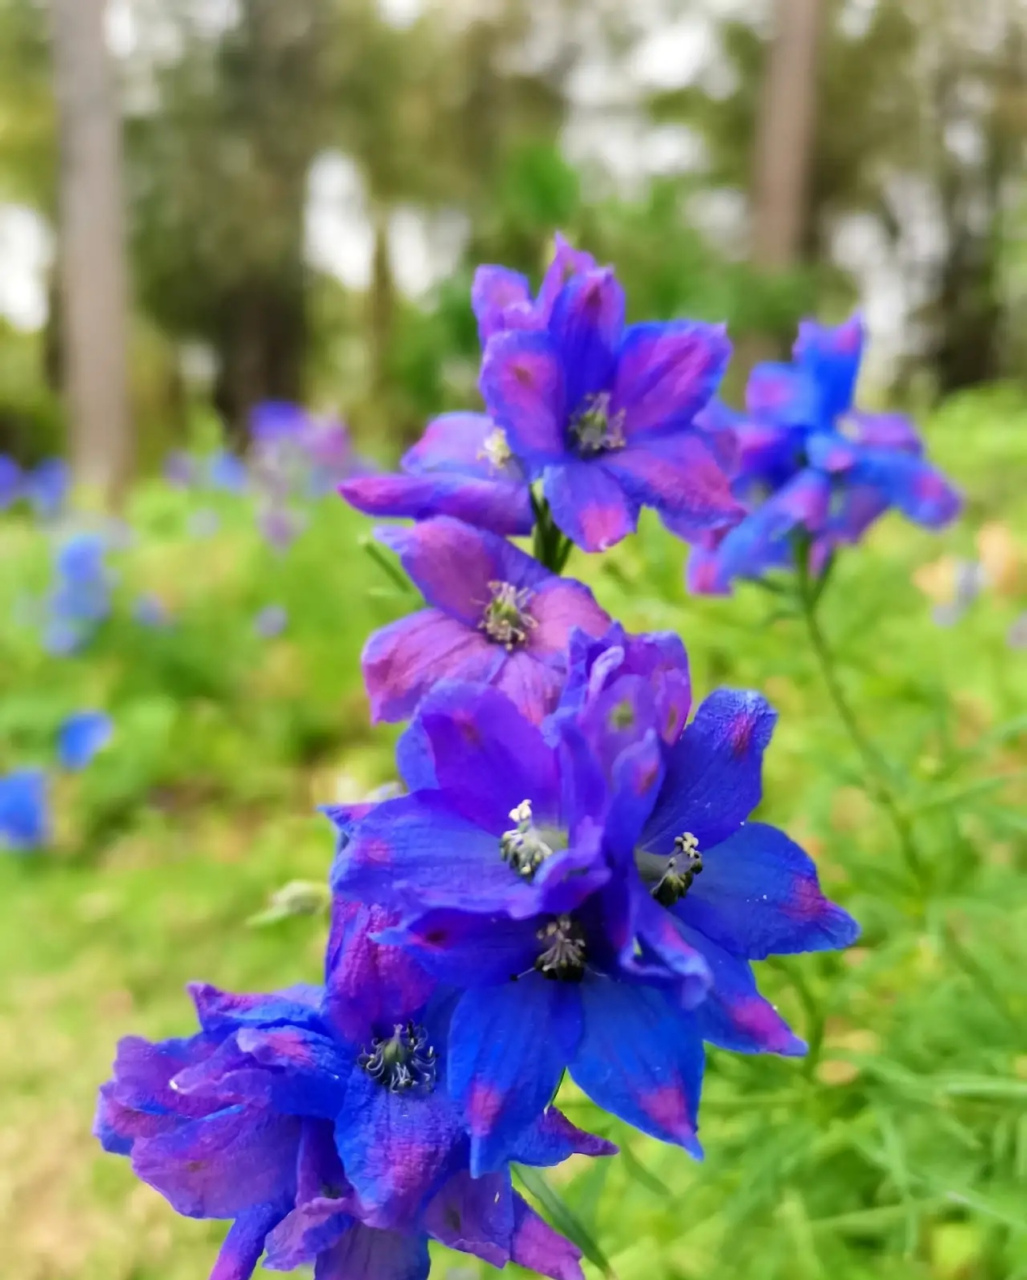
{"x": 44, "y": 488}
{"x": 571, "y": 879}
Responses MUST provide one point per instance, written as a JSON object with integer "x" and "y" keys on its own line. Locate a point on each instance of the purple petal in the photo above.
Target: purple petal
{"x": 394, "y": 1147}
{"x": 666, "y": 373}
{"x": 589, "y": 504}
{"x": 310, "y": 1229}
{"x": 502, "y": 506}
{"x": 886, "y": 431}
{"x": 920, "y": 492}
{"x": 244, "y": 1243}
{"x": 365, "y": 1253}
{"x": 831, "y": 356}
{"x": 680, "y": 477}
{"x": 714, "y": 774}
{"x": 586, "y": 326}
{"x": 488, "y": 757}
{"x": 508, "y": 1047}
{"x": 474, "y": 1215}
{"x": 455, "y": 442}
{"x": 782, "y": 395}
{"x": 567, "y": 262}
{"x": 496, "y": 292}
{"x": 533, "y": 686}
{"x": 404, "y": 660}
{"x": 554, "y": 1139}
{"x": 468, "y": 948}
{"x": 538, "y": 1247}
{"x": 641, "y": 1059}
{"x": 367, "y": 984}
{"x": 734, "y": 1015}
{"x": 558, "y": 606}
{"x": 523, "y": 388}
{"x": 222, "y": 1012}
{"x": 759, "y": 895}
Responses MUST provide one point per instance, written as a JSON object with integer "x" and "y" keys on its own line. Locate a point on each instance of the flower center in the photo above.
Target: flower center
{"x": 495, "y": 449}
{"x": 563, "y": 956}
{"x": 594, "y": 430}
{"x": 404, "y": 1062}
{"x": 506, "y": 619}
{"x": 681, "y": 869}
{"x": 526, "y": 847}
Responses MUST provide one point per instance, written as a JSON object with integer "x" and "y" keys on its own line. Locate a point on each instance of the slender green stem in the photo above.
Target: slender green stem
{"x": 549, "y": 545}
{"x": 878, "y": 776}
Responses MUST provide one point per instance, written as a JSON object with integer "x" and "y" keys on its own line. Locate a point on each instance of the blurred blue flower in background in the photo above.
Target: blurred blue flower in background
{"x": 271, "y": 621}
{"x": 10, "y": 482}
{"x": 151, "y": 611}
{"x": 81, "y": 598}
{"x": 24, "y": 810}
{"x": 81, "y": 736}
{"x": 47, "y": 488}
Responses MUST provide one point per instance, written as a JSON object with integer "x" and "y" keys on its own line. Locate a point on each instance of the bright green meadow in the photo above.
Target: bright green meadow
{"x": 896, "y": 1151}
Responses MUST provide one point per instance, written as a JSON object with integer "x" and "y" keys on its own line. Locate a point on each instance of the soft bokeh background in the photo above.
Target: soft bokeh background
{"x": 286, "y": 199}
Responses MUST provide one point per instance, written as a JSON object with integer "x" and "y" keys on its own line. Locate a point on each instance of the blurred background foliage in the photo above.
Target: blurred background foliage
{"x": 308, "y": 186}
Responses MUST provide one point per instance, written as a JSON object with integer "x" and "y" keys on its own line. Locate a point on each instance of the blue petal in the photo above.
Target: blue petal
{"x": 24, "y": 810}
{"x": 364, "y": 1253}
{"x": 759, "y": 895}
{"x": 554, "y": 1139}
{"x": 831, "y": 357}
{"x": 468, "y": 949}
{"x": 713, "y": 779}
{"x": 641, "y": 1058}
{"x": 586, "y": 325}
{"x": 81, "y": 736}
{"x": 508, "y": 1047}
{"x": 244, "y": 1243}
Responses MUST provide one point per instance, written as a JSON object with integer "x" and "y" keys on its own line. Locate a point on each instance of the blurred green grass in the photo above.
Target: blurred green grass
{"x": 900, "y": 1154}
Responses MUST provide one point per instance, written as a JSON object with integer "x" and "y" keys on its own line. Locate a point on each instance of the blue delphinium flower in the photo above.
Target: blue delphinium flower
{"x": 495, "y": 615}
{"x": 81, "y": 736}
{"x": 810, "y": 462}
{"x": 317, "y": 1119}
{"x": 46, "y": 488}
{"x": 24, "y": 810}
{"x": 10, "y": 482}
{"x": 462, "y": 467}
{"x": 81, "y": 597}
{"x": 227, "y": 471}
{"x": 605, "y": 415}
{"x": 555, "y": 876}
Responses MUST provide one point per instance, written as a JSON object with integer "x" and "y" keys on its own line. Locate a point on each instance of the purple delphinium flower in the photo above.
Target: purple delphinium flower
{"x": 569, "y": 901}
{"x": 462, "y": 467}
{"x": 24, "y": 810}
{"x": 318, "y": 1120}
{"x": 81, "y": 736}
{"x": 271, "y": 621}
{"x": 502, "y": 298}
{"x": 46, "y": 488}
{"x": 495, "y": 615}
{"x": 10, "y": 482}
{"x": 605, "y": 415}
{"x": 810, "y": 462}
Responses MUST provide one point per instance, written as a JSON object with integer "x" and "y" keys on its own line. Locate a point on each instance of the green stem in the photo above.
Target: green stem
{"x": 549, "y": 545}
{"x": 878, "y": 780}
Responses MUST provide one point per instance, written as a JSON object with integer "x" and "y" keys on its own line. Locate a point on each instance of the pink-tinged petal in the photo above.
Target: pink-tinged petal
{"x": 714, "y": 773}
{"x": 395, "y": 1148}
{"x": 554, "y": 1139}
{"x": 703, "y": 575}
{"x": 641, "y": 1058}
{"x": 784, "y": 396}
{"x": 508, "y": 1047}
{"x": 559, "y": 606}
{"x": 831, "y": 357}
{"x": 502, "y": 506}
{"x": 589, "y": 504}
{"x": 567, "y": 262}
{"x": 883, "y": 431}
{"x": 453, "y": 442}
{"x": 666, "y": 373}
{"x": 404, "y": 660}
{"x": 734, "y": 1015}
{"x": 538, "y": 1247}
{"x": 499, "y": 298}
{"x": 522, "y": 384}
{"x": 831, "y": 452}
{"x": 474, "y": 1215}
{"x": 367, "y": 984}
{"x": 680, "y": 477}
{"x": 222, "y": 1165}
{"x": 586, "y": 326}
{"x": 394, "y": 853}
{"x": 759, "y": 895}
{"x": 365, "y": 1253}
{"x": 450, "y": 562}
{"x": 531, "y": 684}
{"x": 481, "y": 734}
{"x": 240, "y": 1253}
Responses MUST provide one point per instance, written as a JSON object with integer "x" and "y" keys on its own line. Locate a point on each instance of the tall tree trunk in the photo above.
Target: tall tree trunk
{"x": 785, "y": 136}
{"x": 92, "y": 249}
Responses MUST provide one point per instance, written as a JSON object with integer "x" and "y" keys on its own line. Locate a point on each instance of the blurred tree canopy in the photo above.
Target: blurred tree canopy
{"x": 463, "y": 112}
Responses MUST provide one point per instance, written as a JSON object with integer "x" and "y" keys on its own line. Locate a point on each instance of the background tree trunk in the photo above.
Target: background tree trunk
{"x": 92, "y": 249}
{"x": 784, "y": 136}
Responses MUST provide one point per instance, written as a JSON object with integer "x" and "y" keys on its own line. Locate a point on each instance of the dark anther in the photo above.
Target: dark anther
{"x": 403, "y": 1062}
{"x": 563, "y": 958}
{"x": 683, "y": 867}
